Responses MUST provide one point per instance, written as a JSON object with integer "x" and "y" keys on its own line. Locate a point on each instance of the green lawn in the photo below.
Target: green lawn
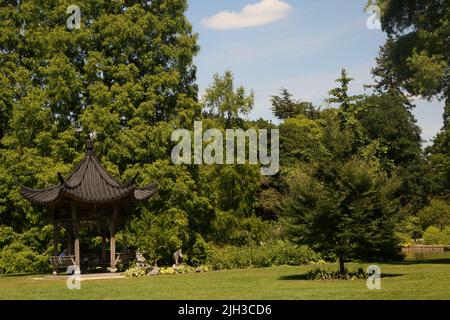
{"x": 430, "y": 280}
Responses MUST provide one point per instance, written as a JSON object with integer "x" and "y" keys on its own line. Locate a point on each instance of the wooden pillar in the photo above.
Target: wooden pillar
{"x": 55, "y": 239}
{"x": 112, "y": 240}
{"x": 103, "y": 245}
{"x": 70, "y": 239}
{"x": 125, "y": 244}
{"x": 55, "y": 243}
{"x": 76, "y": 234}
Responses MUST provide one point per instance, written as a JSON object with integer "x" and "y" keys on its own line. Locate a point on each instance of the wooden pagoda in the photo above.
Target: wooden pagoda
{"x": 89, "y": 196}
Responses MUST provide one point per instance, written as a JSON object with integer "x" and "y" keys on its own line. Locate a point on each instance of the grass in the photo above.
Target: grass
{"x": 409, "y": 280}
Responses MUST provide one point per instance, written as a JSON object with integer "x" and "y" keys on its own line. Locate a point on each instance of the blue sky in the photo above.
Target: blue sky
{"x": 296, "y": 44}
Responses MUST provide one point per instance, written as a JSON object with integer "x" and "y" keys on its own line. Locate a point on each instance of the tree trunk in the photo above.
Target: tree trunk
{"x": 341, "y": 264}
{"x": 447, "y": 113}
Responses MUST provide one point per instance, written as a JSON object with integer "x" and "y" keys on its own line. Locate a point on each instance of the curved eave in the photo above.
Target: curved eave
{"x": 145, "y": 193}
{"x": 49, "y": 196}
{"x": 42, "y": 197}
{"x": 121, "y": 194}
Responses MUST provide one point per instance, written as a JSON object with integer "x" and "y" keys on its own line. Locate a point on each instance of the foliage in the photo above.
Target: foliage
{"x": 409, "y": 226}
{"x": 355, "y": 219}
{"x": 167, "y": 270}
{"x": 198, "y": 251}
{"x": 344, "y": 203}
{"x": 25, "y": 252}
{"x": 135, "y": 272}
{"x": 436, "y": 214}
{"x": 126, "y": 76}
{"x": 18, "y": 258}
{"x": 300, "y": 140}
{"x": 263, "y": 256}
{"x": 159, "y": 236}
{"x": 434, "y": 235}
{"x": 183, "y": 269}
{"x": 439, "y": 165}
{"x": 415, "y": 57}
{"x": 227, "y": 228}
{"x": 285, "y": 106}
{"x": 387, "y": 119}
{"x": 224, "y": 101}
{"x": 405, "y": 238}
{"x": 326, "y": 274}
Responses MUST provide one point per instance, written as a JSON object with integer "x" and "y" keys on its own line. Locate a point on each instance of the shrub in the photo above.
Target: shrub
{"x": 405, "y": 238}
{"x": 158, "y": 236}
{"x": 168, "y": 270}
{"x": 326, "y": 274}
{"x": 7, "y": 236}
{"x": 183, "y": 269}
{"x": 266, "y": 255}
{"x": 18, "y": 258}
{"x": 228, "y": 228}
{"x": 199, "y": 251}
{"x": 434, "y": 235}
{"x": 135, "y": 272}
{"x": 436, "y": 214}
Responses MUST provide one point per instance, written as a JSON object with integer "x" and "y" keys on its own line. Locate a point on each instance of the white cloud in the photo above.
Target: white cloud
{"x": 252, "y": 15}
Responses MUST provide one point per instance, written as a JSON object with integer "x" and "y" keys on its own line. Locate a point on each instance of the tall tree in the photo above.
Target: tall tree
{"x": 416, "y": 60}
{"x": 351, "y": 216}
{"x": 416, "y": 56}
{"x": 284, "y": 106}
{"x": 223, "y": 101}
{"x": 341, "y": 201}
{"x": 126, "y": 74}
{"x": 387, "y": 118}
{"x": 348, "y": 108}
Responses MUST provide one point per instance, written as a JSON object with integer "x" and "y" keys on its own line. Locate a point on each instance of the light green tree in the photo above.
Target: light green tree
{"x": 223, "y": 101}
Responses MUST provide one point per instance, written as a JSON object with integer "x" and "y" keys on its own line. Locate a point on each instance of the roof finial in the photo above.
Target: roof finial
{"x": 89, "y": 146}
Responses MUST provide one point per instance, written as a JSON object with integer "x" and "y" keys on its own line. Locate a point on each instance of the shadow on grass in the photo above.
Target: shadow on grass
{"x": 19, "y": 275}
{"x": 304, "y": 277}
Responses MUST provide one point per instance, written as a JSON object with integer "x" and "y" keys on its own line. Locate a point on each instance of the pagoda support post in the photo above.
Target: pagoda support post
{"x": 112, "y": 240}
{"x": 70, "y": 240}
{"x": 125, "y": 244}
{"x": 103, "y": 245}
{"x": 76, "y": 233}
{"x": 55, "y": 243}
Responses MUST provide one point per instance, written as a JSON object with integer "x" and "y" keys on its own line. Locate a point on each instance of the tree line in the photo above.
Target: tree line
{"x": 354, "y": 181}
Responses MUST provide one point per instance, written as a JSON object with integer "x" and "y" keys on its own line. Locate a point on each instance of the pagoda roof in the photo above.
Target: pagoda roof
{"x": 89, "y": 183}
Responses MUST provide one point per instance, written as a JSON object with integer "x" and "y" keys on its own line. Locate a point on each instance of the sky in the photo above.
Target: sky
{"x": 294, "y": 44}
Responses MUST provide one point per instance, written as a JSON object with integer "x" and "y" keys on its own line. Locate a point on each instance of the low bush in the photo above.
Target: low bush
{"x": 167, "y": 270}
{"x": 325, "y": 274}
{"x": 135, "y": 272}
{"x": 18, "y": 258}
{"x": 266, "y": 255}
{"x": 405, "y": 239}
{"x": 183, "y": 269}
